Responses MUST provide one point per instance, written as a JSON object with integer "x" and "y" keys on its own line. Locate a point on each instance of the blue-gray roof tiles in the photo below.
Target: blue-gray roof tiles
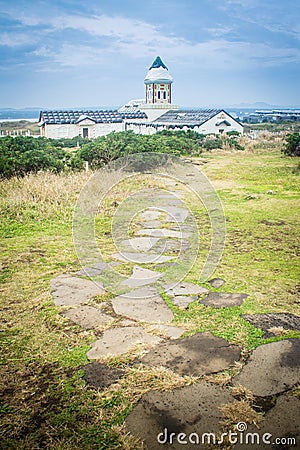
{"x": 100, "y": 116}
{"x": 188, "y": 117}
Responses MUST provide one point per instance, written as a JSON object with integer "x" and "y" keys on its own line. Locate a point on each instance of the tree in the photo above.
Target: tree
{"x": 292, "y": 145}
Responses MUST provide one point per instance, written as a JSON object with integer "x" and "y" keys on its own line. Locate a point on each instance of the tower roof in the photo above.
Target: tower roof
{"x": 158, "y": 73}
{"x": 158, "y": 63}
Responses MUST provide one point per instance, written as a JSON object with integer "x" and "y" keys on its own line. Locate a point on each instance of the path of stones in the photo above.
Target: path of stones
{"x": 142, "y": 318}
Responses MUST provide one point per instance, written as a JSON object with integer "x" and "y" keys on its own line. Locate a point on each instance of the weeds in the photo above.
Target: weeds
{"x": 44, "y": 400}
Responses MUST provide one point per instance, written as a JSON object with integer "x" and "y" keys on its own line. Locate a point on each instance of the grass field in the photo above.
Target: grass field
{"x": 44, "y": 400}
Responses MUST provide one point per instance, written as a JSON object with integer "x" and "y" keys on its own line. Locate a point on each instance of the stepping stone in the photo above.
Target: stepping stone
{"x": 183, "y": 301}
{"x": 152, "y": 224}
{"x": 67, "y": 290}
{"x": 87, "y": 316}
{"x": 101, "y": 376}
{"x": 177, "y": 193}
{"x": 176, "y": 214}
{"x": 139, "y": 243}
{"x": 169, "y": 330}
{"x": 141, "y": 277}
{"x": 266, "y": 322}
{"x": 163, "y": 233}
{"x": 117, "y": 341}
{"x": 142, "y": 293}
{"x": 216, "y": 283}
{"x": 190, "y": 409}
{"x": 184, "y": 288}
{"x": 151, "y": 309}
{"x": 195, "y": 355}
{"x": 150, "y": 214}
{"x": 93, "y": 271}
{"x": 171, "y": 245}
{"x": 222, "y": 300}
{"x": 281, "y": 421}
{"x": 143, "y": 258}
{"x": 272, "y": 368}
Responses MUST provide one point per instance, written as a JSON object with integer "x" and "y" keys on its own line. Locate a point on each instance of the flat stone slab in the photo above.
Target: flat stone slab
{"x": 168, "y": 330}
{"x": 152, "y": 224}
{"x": 175, "y": 214}
{"x": 171, "y": 245}
{"x": 150, "y": 214}
{"x": 190, "y": 409}
{"x": 282, "y": 421}
{"x": 139, "y": 243}
{"x": 142, "y": 292}
{"x": 163, "y": 232}
{"x": 143, "y": 258}
{"x": 142, "y": 277}
{"x": 216, "y": 283}
{"x": 266, "y": 322}
{"x": 101, "y": 376}
{"x": 272, "y": 368}
{"x": 151, "y": 309}
{"x": 183, "y": 301}
{"x": 93, "y": 271}
{"x": 117, "y": 341}
{"x": 184, "y": 288}
{"x": 222, "y": 300}
{"x": 87, "y": 316}
{"x": 200, "y": 354}
{"x": 67, "y": 290}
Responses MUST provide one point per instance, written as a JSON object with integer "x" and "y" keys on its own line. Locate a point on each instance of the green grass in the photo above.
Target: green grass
{"x": 44, "y": 401}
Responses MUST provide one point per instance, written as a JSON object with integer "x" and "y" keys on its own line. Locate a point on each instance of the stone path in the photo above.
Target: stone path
{"x": 139, "y": 318}
{"x": 200, "y": 354}
{"x": 269, "y": 323}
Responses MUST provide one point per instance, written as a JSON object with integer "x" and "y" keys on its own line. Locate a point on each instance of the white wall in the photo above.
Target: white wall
{"x": 102, "y": 129}
{"x": 208, "y": 127}
{"x": 211, "y": 127}
{"x": 57, "y": 131}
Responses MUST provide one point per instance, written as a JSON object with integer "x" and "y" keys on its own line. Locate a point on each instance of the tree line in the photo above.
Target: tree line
{"x": 23, "y": 154}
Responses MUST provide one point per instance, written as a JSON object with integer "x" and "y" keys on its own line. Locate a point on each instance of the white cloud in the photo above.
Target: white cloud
{"x": 111, "y": 35}
{"x": 15, "y": 39}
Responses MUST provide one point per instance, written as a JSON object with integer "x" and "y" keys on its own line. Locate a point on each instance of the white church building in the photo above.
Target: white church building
{"x": 145, "y": 116}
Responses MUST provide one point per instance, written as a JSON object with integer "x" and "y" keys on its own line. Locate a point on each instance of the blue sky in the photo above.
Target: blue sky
{"x": 69, "y": 53}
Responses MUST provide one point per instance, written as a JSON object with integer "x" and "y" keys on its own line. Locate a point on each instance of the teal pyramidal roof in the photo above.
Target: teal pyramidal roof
{"x": 158, "y": 63}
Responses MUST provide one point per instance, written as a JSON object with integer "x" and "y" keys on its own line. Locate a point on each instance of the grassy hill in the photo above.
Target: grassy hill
{"x": 44, "y": 400}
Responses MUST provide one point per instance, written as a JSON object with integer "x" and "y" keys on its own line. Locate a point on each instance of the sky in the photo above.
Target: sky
{"x": 96, "y": 53}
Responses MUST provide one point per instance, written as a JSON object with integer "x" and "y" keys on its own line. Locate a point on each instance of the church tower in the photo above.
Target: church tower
{"x": 158, "y": 91}
{"x": 158, "y": 84}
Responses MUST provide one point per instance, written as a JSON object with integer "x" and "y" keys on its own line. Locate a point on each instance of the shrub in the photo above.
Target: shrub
{"x": 292, "y": 145}
{"x": 106, "y": 149}
{"x": 23, "y": 154}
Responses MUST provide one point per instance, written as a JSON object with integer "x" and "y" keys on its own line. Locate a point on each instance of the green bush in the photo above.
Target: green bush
{"x": 292, "y": 145}
{"x": 106, "y": 149}
{"x": 23, "y": 154}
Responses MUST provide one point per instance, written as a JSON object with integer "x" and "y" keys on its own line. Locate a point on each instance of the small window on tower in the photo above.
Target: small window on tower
{"x": 165, "y": 95}
{"x": 158, "y": 95}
